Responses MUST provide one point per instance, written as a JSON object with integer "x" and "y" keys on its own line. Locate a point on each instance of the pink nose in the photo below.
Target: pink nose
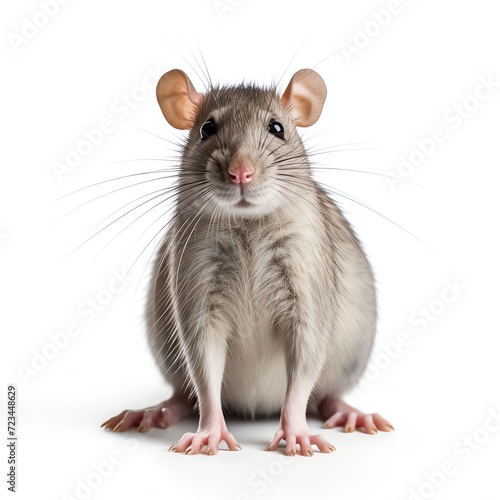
{"x": 241, "y": 172}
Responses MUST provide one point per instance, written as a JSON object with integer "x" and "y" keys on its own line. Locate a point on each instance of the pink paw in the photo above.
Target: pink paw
{"x": 344, "y": 415}
{"x": 192, "y": 443}
{"x": 301, "y": 439}
{"x": 163, "y": 415}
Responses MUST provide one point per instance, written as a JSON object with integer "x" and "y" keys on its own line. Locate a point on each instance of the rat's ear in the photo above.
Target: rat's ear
{"x": 178, "y": 99}
{"x": 304, "y": 97}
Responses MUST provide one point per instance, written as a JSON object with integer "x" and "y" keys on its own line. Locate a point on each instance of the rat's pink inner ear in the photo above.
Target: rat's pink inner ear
{"x": 178, "y": 99}
{"x": 304, "y": 97}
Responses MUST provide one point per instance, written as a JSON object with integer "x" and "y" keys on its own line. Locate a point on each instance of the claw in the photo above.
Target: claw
{"x": 299, "y": 437}
{"x": 162, "y": 415}
{"x": 192, "y": 443}
{"x": 337, "y": 413}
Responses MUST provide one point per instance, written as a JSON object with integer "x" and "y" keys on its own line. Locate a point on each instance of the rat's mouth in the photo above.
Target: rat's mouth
{"x": 243, "y": 203}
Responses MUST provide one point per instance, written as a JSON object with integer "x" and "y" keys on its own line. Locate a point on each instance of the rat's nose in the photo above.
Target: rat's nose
{"x": 241, "y": 171}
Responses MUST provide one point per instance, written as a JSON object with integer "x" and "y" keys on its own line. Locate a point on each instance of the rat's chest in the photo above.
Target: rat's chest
{"x": 254, "y": 270}
{"x": 250, "y": 276}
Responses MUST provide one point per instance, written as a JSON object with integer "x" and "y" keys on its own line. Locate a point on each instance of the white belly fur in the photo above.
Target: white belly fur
{"x": 255, "y": 375}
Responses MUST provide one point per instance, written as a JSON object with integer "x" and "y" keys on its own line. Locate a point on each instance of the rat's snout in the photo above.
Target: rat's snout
{"x": 241, "y": 170}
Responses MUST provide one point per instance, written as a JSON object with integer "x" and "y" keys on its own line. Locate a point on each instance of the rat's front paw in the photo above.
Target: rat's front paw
{"x": 192, "y": 443}
{"x": 301, "y": 439}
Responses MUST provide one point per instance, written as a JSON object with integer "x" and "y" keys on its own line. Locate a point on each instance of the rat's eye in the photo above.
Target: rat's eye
{"x": 207, "y": 129}
{"x": 276, "y": 129}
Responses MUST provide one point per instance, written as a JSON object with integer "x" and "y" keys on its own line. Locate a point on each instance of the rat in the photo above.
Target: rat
{"x": 262, "y": 300}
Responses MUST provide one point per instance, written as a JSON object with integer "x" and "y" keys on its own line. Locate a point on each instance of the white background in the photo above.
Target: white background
{"x": 409, "y": 76}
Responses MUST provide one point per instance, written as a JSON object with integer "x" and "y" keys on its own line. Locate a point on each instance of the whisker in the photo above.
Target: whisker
{"x": 169, "y": 223}
{"x": 163, "y": 192}
{"x": 313, "y": 167}
{"x": 107, "y": 194}
{"x": 187, "y": 61}
{"x": 177, "y": 144}
{"x": 291, "y": 60}
{"x": 360, "y": 203}
{"x": 331, "y": 55}
{"x": 206, "y": 72}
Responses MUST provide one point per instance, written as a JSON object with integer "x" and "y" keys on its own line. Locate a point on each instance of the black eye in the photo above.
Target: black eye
{"x": 276, "y": 129}
{"x": 207, "y": 129}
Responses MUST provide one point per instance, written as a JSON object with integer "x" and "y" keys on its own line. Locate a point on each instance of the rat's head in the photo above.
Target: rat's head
{"x": 243, "y": 156}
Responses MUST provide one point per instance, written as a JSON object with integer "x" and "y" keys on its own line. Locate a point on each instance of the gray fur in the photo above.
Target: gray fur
{"x": 275, "y": 294}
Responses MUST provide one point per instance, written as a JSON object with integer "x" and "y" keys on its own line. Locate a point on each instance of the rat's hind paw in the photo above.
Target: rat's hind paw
{"x": 162, "y": 415}
{"x": 337, "y": 413}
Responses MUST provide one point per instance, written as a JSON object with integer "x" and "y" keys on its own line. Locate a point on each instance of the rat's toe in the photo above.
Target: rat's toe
{"x": 162, "y": 415}
{"x": 323, "y": 445}
{"x": 381, "y": 423}
{"x": 368, "y": 424}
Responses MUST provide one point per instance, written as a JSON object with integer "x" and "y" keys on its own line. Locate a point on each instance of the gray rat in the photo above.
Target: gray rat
{"x": 261, "y": 299}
